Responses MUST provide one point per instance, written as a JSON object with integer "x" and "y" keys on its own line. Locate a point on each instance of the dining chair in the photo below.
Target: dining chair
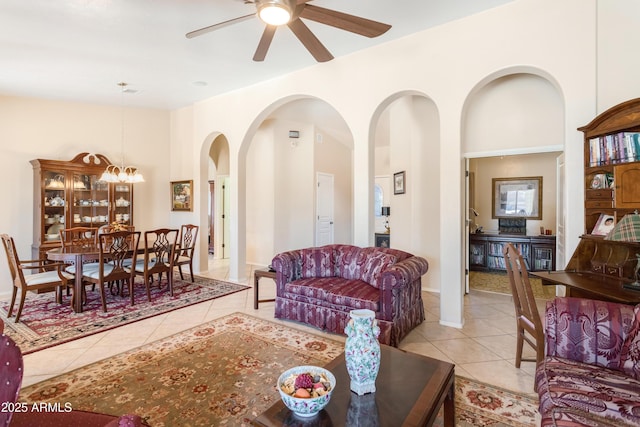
{"x": 527, "y": 315}
{"x": 115, "y": 249}
{"x": 79, "y": 236}
{"x": 159, "y": 256}
{"x": 186, "y": 248}
{"x": 48, "y": 276}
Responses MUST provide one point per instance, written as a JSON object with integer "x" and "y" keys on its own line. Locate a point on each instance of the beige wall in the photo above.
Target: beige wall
{"x": 485, "y": 169}
{"x": 37, "y": 128}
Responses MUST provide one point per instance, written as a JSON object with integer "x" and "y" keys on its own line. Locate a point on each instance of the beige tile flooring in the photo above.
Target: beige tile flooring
{"x": 484, "y": 349}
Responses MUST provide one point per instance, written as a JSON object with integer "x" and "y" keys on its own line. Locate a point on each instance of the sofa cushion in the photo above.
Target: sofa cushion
{"x": 572, "y": 390}
{"x": 373, "y": 265}
{"x": 353, "y": 294}
{"x": 346, "y": 261}
{"x": 630, "y": 357}
{"x": 336, "y": 292}
{"x": 363, "y": 264}
{"x": 315, "y": 287}
{"x": 318, "y": 262}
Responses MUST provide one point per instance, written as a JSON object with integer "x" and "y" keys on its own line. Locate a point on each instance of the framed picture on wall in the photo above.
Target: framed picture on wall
{"x": 517, "y": 197}
{"x": 398, "y": 183}
{"x": 181, "y": 195}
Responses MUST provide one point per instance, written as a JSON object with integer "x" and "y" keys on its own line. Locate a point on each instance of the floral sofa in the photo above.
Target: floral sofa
{"x": 319, "y": 286}
{"x": 590, "y": 375}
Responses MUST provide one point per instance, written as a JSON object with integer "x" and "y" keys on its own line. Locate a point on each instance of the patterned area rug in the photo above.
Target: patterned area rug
{"x": 44, "y": 323}
{"x": 499, "y": 282}
{"x": 224, "y": 373}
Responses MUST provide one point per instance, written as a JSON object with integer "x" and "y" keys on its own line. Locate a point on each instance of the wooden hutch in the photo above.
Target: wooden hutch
{"x": 70, "y": 194}
{"x": 612, "y": 163}
{"x": 600, "y": 268}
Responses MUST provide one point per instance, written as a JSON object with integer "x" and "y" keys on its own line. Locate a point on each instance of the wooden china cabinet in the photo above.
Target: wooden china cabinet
{"x": 70, "y": 194}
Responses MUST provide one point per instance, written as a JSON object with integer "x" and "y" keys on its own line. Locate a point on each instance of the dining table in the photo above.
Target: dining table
{"x": 79, "y": 255}
{"x": 76, "y": 255}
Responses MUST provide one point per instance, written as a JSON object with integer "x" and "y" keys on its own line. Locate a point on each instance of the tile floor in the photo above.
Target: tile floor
{"x": 484, "y": 349}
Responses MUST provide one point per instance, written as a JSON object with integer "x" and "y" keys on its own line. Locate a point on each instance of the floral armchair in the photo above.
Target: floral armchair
{"x": 590, "y": 375}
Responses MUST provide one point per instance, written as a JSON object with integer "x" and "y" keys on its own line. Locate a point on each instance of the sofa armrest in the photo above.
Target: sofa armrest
{"x": 400, "y": 286}
{"x": 587, "y": 331}
{"x": 403, "y": 273}
{"x": 288, "y": 266}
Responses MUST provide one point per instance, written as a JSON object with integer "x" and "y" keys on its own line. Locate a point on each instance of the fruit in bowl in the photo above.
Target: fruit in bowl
{"x": 306, "y": 390}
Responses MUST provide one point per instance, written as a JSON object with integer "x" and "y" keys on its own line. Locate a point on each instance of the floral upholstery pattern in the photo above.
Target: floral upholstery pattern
{"x": 319, "y": 286}
{"x": 588, "y": 374}
{"x": 630, "y": 357}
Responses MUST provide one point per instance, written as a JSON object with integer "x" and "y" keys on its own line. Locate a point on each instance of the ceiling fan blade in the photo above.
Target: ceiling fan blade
{"x": 223, "y": 24}
{"x": 265, "y": 42}
{"x": 310, "y": 41}
{"x": 355, "y": 24}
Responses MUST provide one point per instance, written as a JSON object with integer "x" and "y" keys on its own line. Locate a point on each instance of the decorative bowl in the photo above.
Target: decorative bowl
{"x": 306, "y": 407}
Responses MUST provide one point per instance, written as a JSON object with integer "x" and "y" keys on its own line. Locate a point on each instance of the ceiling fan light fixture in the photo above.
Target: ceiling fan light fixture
{"x": 275, "y": 12}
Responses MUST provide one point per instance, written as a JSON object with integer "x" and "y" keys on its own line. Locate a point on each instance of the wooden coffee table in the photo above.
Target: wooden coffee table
{"x": 410, "y": 390}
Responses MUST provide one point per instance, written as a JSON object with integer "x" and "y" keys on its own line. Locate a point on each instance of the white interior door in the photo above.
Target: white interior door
{"x": 324, "y": 209}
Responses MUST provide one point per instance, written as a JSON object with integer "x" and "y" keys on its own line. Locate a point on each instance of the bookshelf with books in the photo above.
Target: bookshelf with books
{"x": 485, "y": 251}
{"x": 612, "y": 163}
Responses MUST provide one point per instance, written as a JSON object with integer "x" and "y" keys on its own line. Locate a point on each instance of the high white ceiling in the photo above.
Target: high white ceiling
{"x": 80, "y": 49}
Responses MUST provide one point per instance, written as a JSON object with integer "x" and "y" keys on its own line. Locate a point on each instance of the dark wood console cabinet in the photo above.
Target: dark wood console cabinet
{"x": 485, "y": 251}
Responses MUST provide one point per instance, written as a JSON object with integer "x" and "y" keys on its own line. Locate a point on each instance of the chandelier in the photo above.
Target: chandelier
{"x": 122, "y": 173}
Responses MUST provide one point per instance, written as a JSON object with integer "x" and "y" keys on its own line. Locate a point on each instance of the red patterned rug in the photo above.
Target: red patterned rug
{"x": 44, "y": 323}
{"x": 224, "y": 373}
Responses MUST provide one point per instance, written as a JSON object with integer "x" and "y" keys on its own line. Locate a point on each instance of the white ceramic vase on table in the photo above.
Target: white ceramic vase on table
{"x": 362, "y": 351}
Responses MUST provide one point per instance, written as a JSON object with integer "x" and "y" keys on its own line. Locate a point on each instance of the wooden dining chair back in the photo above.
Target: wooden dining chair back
{"x": 159, "y": 256}
{"x": 186, "y": 248}
{"x": 118, "y": 251}
{"x": 79, "y": 236}
{"x": 527, "y": 315}
{"x": 46, "y": 276}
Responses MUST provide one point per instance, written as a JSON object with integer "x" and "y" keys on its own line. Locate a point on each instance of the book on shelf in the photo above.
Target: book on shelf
{"x": 622, "y": 147}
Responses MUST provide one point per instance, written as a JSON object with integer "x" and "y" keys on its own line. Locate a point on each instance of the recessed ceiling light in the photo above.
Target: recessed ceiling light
{"x": 200, "y": 83}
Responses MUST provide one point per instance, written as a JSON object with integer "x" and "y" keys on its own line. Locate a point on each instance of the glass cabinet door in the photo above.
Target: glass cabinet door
{"x": 90, "y": 201}
{"x": 54, "y": 203}
{"x": 123, "y": 203}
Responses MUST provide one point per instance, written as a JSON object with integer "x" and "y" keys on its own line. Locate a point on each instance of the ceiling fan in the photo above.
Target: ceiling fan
{"x": 275, "y": 13}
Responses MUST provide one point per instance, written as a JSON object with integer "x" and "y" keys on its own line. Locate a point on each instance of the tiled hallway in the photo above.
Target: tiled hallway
{"x": 484, "y": 349}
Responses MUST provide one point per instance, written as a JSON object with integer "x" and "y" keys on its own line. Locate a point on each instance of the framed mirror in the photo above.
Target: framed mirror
{"x": 517, "y": 197}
